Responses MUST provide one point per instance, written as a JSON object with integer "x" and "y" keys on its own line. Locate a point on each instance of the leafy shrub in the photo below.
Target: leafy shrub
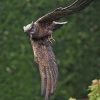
{"x": 94, "y": 90}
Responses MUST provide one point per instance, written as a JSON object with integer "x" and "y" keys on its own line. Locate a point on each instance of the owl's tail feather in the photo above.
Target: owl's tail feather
{"x": 48, "y": 83}
{"x": 55, "y": 70}
{"x": 54, "y": 75}
{"x": 49, "y": 75}
{"x": 43, "y": 79}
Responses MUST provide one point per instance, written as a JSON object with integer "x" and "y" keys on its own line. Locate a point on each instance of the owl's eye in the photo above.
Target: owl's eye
{"x": 32, "y": 30}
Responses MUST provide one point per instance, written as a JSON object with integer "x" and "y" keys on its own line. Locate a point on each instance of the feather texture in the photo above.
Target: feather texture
{"x": 45, "y": 58}
{"x": 61, "y": 12}
{"x": 40, "y": 32}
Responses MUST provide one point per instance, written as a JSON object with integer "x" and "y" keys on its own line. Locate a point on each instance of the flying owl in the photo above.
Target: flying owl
{"x": 40, "y": 34}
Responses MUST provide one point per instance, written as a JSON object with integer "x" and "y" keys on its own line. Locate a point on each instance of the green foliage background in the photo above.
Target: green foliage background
{"x": 77, "y": 49}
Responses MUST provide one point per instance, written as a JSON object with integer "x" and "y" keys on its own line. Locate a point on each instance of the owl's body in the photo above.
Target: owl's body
{"x": 45, "y": 58}
{"x": 39, "y": 32}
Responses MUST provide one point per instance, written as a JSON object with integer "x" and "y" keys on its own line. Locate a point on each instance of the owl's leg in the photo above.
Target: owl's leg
{"x": 51, "y": 39}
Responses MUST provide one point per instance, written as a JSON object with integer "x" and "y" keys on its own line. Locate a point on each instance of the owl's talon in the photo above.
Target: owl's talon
{"x": 51, "y": 39}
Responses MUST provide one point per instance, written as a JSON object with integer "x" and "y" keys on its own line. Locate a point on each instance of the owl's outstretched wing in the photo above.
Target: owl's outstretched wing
{"x": 61, "y": 12}
{"x": 45, "y": 58}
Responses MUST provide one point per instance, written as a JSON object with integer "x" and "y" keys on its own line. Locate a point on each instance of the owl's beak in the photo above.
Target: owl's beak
{"x": 27, "y": 27}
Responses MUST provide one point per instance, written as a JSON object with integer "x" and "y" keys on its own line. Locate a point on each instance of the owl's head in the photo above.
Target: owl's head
{"x": 30, "y": 28}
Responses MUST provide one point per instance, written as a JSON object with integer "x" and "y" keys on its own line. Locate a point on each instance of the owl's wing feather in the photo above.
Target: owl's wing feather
{"x": 45, "y": 58}
{"x": 61, "y": 12}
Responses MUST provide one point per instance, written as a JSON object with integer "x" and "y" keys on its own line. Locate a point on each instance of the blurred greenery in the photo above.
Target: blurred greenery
{"x": 77, "y": 49}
